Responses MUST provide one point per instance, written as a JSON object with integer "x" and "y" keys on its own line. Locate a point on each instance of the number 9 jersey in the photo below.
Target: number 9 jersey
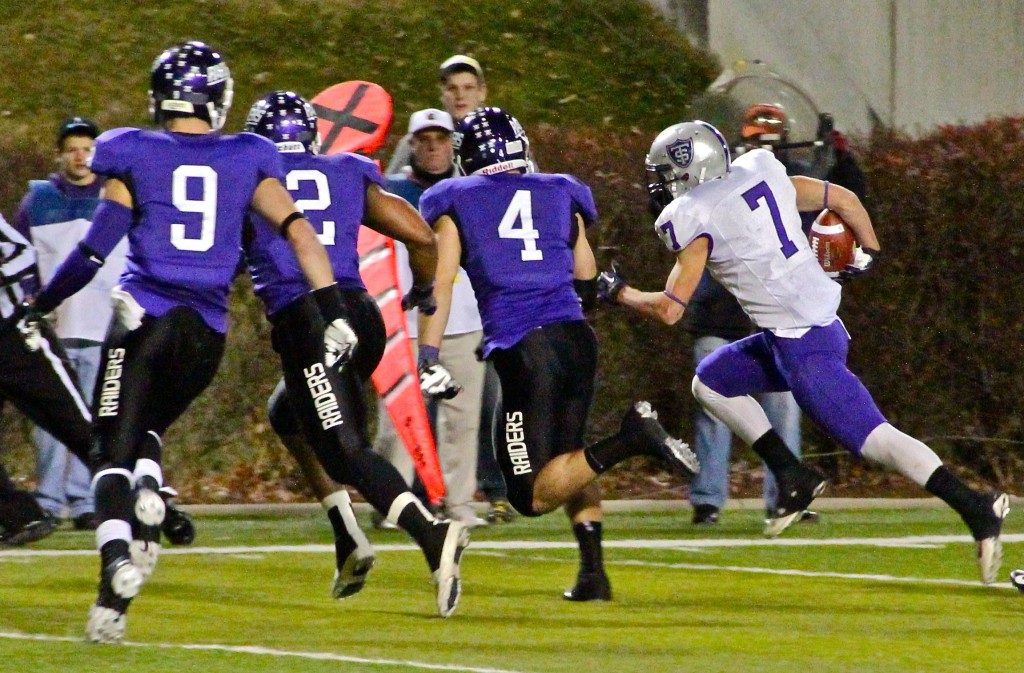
{"x": 191, "y": 193}
{"x": 757, "y": 248}
{"x": 517, "y": 233}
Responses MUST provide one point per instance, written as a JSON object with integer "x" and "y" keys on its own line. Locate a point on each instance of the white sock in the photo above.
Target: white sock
{"x": 901, "y": 453}
{"x": 401, "y": 502}
{"x": 742, "y": 414}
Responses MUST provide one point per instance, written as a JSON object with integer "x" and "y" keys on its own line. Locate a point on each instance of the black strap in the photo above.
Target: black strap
{"x": 297, "y": 215}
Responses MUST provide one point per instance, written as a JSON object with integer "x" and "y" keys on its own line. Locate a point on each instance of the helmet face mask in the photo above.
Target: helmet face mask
{"x": 190, "y": 80}
{"x": 287, "y": 119}
{"x": 682, "y": 157}
{"x": 489, "y": 141}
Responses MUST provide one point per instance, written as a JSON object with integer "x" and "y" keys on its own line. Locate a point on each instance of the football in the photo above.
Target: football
{"x": 832, "y": 242}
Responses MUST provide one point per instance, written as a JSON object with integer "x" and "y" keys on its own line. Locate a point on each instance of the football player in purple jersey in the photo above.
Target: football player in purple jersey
{"x": 325, "y": 405}
{"x": 180, "y": 194}
{"x": 741, "y": 220}
{"x": 521, "y": 238}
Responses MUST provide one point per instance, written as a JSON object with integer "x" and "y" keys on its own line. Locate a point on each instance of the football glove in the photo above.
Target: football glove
{"x": 437, "y": 381}
{"x": 339, "y": 344}
{"x": 863, "y": 260}
{"x": 609, "y": 285}
{"x": 421, "y": 298}
{"x": 28, "y": 325}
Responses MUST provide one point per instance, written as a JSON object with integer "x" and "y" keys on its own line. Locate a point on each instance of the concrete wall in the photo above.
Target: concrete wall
{"x": 913, "y": 64}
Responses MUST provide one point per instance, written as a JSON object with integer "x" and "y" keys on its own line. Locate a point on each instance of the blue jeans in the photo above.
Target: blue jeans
{"x": 713, "y": 440}
{"x": 63, "y": 478}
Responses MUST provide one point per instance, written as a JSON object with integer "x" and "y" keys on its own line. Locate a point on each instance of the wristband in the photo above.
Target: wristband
{"x": 428, "y": 355}
{"x": 287, "y": 222}
{"x": 329, "y": 301}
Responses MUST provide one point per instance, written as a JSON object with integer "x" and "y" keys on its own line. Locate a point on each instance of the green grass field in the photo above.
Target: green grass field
{"x": 864, "y": 591}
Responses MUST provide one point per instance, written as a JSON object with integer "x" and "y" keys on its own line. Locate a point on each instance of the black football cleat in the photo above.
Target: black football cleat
{"x": 986, "y": 527}
{"x": 799, "y": 485}
{"x": 590, "y": 586}
{"x": 177, "y": 527}
{"x": 640, "y": 427}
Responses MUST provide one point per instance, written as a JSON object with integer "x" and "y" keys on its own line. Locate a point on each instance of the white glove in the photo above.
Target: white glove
{"x": 437, "y": 381}
{"x": 28, "y": 325}
{"x": 339, "y": 344}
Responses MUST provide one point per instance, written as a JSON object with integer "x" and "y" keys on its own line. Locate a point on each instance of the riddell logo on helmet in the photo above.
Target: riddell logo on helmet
{"x": 515, "y": 443}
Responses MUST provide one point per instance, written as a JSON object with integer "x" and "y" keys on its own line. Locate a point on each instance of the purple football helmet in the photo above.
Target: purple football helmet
{"x": 287, "y": 119}
{"x": 190, "y": 80}
{"x": 490, "y": 140}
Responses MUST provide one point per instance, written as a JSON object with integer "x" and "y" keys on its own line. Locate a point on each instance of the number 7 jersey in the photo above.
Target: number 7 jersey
{"x": 757, "y": 248}
{"x": 517, "y": 233}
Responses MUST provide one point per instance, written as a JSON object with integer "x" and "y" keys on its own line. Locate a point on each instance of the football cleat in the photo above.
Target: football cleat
{"x": 500, "y": 511}
{"x": 446, "y": 576}
{"x": 105, "y": 625}
{"x": 799, "y": 485}
{"x": 640, "y": 427}
{"x": 350, "y": 576}
{"x": 705, "y": 515}
{"x": 1017, "y": 579}
{"x": 30, "y": 532}
{"x": 149, "y": 512}
{"x": 177, "y": 527}
{"x": 592, "y": 586}
{"x": 990, "y": 548}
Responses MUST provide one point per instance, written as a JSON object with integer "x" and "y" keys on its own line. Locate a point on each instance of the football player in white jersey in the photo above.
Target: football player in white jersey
{"x": 741, "y": 220}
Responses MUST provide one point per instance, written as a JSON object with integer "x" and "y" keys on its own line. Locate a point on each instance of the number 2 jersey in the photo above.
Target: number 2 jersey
{"x": 191, "y": 193}
{"x": 517, "y": 233}
{"x": 757, "y": 248}
{"x": 331, "y": 192}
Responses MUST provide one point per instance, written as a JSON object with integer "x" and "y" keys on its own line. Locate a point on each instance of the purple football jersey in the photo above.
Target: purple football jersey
{"x": 331, "y": 191}
{"x": 517, "y": 232}
{"x": 191, "y": 195}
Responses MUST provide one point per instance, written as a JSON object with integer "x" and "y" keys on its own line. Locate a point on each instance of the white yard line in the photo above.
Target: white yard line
{"x": 918, "y": 541}
{"x": 270, "y": 652}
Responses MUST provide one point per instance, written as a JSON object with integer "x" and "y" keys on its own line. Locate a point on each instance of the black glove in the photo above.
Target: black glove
{"x": 421, "y": 298}
{"x": 609, "y": 285}
{"x": 863, "y": 260}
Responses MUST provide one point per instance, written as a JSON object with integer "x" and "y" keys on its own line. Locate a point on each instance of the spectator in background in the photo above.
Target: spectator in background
{"x": 463, "y": 89}
{"x": 55, "y": 214}
{"x": 456, "y": 420}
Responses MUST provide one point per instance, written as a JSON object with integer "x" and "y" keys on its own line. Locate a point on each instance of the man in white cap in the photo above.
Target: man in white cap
{"x": 457, "y": 421}
{"x": 463, "y": 89}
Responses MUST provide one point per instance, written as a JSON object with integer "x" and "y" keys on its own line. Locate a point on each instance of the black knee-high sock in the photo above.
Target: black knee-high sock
{"x": 606, "y": 453}
{"x": 114, "y": 497}
{"x": 588, "y": 536}
{"x": 950, "y": 489}
{"x": 774, "y": 452}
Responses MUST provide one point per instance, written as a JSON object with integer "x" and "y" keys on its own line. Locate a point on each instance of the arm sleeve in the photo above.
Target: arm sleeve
{"x": 110, "y": 224}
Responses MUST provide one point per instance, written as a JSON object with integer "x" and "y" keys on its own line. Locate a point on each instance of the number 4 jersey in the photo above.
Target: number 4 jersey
{"x": 517, "y": 233}
{"x": 191, "y": 193}
{"x": 758, "y": 250}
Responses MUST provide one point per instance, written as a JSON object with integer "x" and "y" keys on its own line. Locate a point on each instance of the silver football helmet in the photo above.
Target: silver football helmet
{"x": 682, "y": 157}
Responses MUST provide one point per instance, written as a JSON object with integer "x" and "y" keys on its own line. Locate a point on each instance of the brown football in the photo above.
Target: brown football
{"x": 831, "y": 241}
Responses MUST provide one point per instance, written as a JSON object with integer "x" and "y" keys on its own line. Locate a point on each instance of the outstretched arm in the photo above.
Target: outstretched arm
{"x": 668, "y": 306}
{"x": 393, "y": 216}
{"x": 110, "y": 223}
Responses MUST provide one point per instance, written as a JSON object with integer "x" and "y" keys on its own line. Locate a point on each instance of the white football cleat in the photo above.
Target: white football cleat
{"x": 105, "y": 625}
{"x": 144, "y": 556}
{"x": 126, "y": 579}
{"x": 149, "y": 507}
{"x": 446, "y": 577}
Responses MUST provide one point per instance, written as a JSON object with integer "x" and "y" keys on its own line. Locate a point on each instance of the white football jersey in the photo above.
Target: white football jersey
{"x": 758, "y": 250}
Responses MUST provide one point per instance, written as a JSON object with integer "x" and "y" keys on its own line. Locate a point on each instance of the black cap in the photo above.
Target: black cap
{"x": 77, "y": 126}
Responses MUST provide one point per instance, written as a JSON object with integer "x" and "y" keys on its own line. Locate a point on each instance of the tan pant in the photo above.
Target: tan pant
{"x": 458, "y": 426}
